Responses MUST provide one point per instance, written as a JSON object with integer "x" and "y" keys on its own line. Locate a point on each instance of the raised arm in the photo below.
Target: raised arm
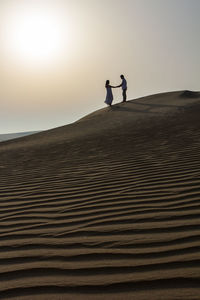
{"x": 119, "y": 85}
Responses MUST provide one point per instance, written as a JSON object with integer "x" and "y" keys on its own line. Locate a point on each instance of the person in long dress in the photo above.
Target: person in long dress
{"x": 109, "y": 94}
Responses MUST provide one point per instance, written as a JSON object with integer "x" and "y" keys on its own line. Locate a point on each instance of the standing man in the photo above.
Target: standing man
{"x": 124, "y": 87}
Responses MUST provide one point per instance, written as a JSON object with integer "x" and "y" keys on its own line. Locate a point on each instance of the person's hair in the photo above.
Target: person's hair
{"x": 107, "y": 83}
{"x": 122, "y": 76}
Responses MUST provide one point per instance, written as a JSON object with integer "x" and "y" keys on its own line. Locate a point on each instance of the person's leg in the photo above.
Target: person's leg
{"x": 124, "y": 95}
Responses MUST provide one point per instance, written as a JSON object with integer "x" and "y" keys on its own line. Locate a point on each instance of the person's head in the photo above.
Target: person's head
{"x": 122, "y": 76}
{"x": 107, "y": 82}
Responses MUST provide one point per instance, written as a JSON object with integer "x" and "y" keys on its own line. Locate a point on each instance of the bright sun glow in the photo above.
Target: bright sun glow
{"x": 35, "y": 37}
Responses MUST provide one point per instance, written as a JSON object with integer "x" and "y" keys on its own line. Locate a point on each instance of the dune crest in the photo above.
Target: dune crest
{"x": 105, "y": 208}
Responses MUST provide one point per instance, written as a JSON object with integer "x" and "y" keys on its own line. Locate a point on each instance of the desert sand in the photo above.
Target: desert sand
{"x": 107, "y": 207}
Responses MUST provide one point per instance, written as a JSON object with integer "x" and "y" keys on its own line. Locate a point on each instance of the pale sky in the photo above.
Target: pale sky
{"x": 55, "y": 55}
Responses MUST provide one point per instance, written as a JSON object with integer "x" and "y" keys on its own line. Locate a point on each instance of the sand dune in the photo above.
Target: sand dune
{"x": 107, "y": 207}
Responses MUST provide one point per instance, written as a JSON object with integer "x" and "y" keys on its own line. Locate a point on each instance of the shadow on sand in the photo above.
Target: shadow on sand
{"x": 150, "y": 106}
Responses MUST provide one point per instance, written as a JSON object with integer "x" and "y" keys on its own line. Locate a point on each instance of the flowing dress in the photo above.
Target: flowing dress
{"x": 109, "y": 95}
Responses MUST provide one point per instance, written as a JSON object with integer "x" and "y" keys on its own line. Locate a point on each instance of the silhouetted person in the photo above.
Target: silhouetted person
{"x": 109, "y": 95}
{"x": 124, "y": 87}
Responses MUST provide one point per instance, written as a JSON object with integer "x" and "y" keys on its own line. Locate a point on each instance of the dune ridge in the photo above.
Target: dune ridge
{"x": 107, "y": 207}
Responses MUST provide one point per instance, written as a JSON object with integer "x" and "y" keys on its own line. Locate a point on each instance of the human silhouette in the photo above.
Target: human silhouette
{"x": 109, "y": 95}
{"x": 124, "y": 87}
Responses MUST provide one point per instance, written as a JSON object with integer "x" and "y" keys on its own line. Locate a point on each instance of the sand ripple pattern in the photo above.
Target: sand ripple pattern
{"x": 120, "y": 223}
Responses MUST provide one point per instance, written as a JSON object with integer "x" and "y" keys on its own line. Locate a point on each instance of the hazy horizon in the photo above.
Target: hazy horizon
{"x": 56, "y": 55}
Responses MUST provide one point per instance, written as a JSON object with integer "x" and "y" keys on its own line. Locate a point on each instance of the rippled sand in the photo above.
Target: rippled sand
{"x": 107, "y": 207}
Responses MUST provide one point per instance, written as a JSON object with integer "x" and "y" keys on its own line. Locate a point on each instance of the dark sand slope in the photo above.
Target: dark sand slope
{"x": 105, "y": 208}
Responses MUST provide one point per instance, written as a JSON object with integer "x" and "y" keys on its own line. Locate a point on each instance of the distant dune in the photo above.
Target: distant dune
{"x": 10, "y": 136}
{"x": 107, "y": 207}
